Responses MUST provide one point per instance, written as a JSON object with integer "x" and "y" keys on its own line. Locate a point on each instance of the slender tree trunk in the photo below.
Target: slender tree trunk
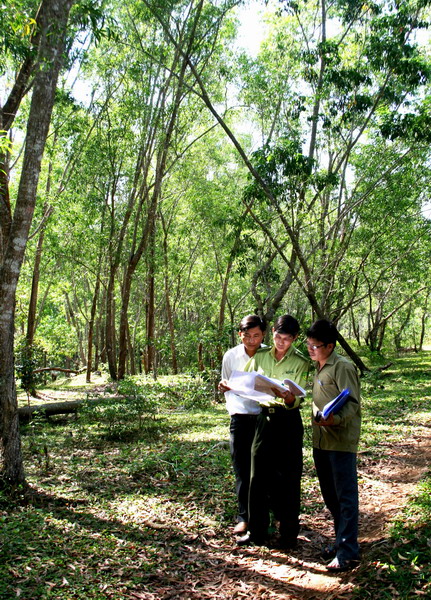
{"x": 91, "y": 329}
{"x": 31, "y": 318}
{"x": 101, "y": 330}
{"x": 424, "y": 319}
{"x": 77, "y": 327}
{"x": 174, "y": 361}
{"x": 151, "y": 319}
{"x": 398, "y": 335}
{"x": 381, "y": 336}
{"x": 355, "y": 327}
{"x": 131, "y": 351}
{"x": 201, "y": 365}
{"x": 110, "y": 327}
{"x": 223, "y": 299}
{"x": 169, "y": 315}
{"x": 53, "y": 30}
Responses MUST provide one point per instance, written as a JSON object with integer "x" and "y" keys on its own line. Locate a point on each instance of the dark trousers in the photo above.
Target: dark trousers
{"x": 276, "y": 471}
{"x": 339, "y": 485}
{"x": 242, "y": 430}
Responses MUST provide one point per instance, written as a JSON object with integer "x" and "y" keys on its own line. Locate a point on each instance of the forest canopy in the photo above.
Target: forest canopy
{"x": 182, "y": 181}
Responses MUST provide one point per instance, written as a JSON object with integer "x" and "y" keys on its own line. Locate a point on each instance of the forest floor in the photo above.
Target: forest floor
{"x": 385, "y": 488}
{"x": 149, "y": 515}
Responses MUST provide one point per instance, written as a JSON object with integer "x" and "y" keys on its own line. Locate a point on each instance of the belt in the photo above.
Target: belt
{"x": 273, "y": 410}
{"x": 279, "y": 410}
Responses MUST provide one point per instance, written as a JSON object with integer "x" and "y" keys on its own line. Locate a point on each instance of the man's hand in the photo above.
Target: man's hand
{"x": 287, "y": 395}
{"x": 223, "y": 387}
{"x": 326, "y": 422}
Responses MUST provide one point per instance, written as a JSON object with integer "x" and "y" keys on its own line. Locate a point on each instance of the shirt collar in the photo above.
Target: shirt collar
{"x": 288, "y": 353}
{"x": 329, "y": 361}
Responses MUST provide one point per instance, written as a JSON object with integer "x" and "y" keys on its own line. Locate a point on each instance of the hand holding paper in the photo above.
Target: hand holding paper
{"x": 259, "y": 387}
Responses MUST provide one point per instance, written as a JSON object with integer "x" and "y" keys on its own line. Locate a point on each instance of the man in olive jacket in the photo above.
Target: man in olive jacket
{"x": 335, "y": 442}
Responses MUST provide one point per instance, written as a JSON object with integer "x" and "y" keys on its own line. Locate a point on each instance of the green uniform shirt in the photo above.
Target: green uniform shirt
{"x": 292, "y": 366}
{"x": 337, "y": 374}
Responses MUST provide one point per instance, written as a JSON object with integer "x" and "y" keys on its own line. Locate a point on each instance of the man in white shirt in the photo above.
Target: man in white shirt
{"x": 243, "y": 412}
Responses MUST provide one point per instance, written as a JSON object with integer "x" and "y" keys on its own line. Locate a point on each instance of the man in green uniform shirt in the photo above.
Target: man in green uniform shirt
{"x": 335, "y": 442}
{"x": 277, "y": 447}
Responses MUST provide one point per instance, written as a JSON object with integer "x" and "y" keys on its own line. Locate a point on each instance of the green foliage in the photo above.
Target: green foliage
{"x": 351, "y": 201}
{"x": 135, "y": 408}
{"x": 130, "y": 413}
{"x": 407, "y": 126}
{"x": 92, "y": 15}
{"x": 17, "y": 25}
{"x": 28, "y": 359}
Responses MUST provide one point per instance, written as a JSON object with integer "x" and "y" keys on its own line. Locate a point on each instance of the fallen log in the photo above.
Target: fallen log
{"x": 56, "y": 408}
{"x": 49, "y": 409}
{"x": 60, "y": 369}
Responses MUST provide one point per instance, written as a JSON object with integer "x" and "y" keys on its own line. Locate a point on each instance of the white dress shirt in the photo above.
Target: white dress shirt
{"x": 235, "y": 359}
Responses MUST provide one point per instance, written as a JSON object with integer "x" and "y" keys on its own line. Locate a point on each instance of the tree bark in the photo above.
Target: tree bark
{"x": 31, "y": 318}
{"x": 169, "y": 313}
{"x": 52, "y": 38}
{"x": 151, "y": 318}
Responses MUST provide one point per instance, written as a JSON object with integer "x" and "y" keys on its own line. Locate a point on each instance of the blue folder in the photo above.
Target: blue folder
{"x": 334, "y": 406}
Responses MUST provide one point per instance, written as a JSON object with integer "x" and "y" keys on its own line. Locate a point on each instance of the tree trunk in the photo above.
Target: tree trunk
{"x": 169, "y": 315}
{"x": 398, "y": 335}
{"x": 131, "y": 352}
{"x": 174, "y": 360}
{"x": 110, "y": 327}
{"x": 424, "y": 319}
{"x": 53, "y": 30}
{"x": 74, "y": 321}
{"x": 201, "y": 365}
{"x": 151, "y": 319}
{"x": 91, "y": 329}
{"x": 31, "y": 318}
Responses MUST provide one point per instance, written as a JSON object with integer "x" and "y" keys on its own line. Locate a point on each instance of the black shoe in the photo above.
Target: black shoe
{"x": 338, "y": 565}
{"x": 328, "y": 552}
{"x": 248, "y": 539}
{"x": 285, "y": 544}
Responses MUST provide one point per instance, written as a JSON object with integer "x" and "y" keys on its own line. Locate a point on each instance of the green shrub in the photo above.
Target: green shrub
{"x": 136, "y": 404}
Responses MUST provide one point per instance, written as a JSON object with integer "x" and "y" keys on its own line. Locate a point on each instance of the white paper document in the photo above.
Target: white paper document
{"x": 259, "y": 387}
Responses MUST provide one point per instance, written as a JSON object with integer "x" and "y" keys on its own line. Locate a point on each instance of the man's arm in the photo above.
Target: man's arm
{"x": 346, "y": 376}
{"x": 226, "y": 370}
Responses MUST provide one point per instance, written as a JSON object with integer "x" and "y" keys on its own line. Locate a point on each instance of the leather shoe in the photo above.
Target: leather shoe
{"x": 240, "y": 528}
{"x": 248, "y": 539}
{"x": 328, "y": 552}
{"x": 285, "y": 544}
{"x": 338, "y": 565}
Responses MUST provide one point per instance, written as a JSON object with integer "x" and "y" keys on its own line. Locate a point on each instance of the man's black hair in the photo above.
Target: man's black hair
{"x": 323, "y": 331}
{"x": 251, "y": 321}
{"x": 287, "y": 325}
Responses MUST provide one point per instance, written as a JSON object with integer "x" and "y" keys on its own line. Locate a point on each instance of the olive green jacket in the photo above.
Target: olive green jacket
{"x": 337, "y": 374}
{"x": 292, "y": 366}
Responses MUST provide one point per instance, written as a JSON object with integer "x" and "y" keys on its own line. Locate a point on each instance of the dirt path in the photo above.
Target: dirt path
{"x": 226, "y": 572}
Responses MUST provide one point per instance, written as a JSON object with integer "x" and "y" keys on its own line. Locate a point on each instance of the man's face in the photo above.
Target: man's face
{"x": 282, "y": 341}
{"x": 252, "y": 338}
{"x": 319, "y": 351}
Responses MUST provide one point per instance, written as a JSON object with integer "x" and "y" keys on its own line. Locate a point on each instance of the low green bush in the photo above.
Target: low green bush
{"x": 134, "y": 405}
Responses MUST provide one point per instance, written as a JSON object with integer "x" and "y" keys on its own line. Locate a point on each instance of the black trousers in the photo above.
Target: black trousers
{"x": 276, "y": 469}
{"x": 242, "y": 430}
{"x": 339, "y": 485}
